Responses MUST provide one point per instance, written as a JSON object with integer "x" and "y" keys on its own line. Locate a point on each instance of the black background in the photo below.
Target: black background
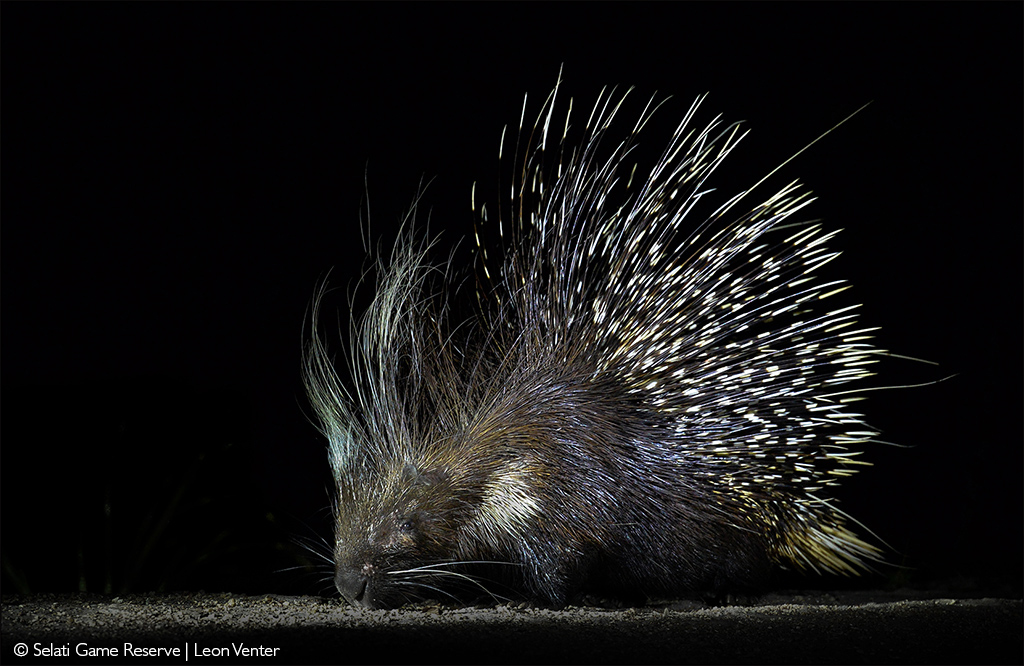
{"x": 177, "y": 178}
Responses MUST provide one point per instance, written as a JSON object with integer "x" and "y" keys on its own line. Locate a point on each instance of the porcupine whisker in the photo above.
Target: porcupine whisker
{"x": 457, "y": 563}
{"x": 325, "y": 581}
{"x": 478, "y": 584}
{"x": 321, "y": 551}
{"x": 320, "y": 557}
{"x": 429, "y": 573}
{"x": 423, "y": 586}
{"x": 317, "y": 546}
{"x": 297, "y": 567}
{"x": 438, "y": 568}
{"x": 442, "y": 592}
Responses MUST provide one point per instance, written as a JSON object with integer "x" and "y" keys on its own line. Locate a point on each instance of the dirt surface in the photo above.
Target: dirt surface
{"x": 223, "y": 628}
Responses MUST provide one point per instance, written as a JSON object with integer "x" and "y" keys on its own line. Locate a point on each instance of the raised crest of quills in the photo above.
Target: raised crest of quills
{"x": 652, "y": 397}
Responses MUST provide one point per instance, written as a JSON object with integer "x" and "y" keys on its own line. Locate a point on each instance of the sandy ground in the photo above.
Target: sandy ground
{"x": 223, "y": 628}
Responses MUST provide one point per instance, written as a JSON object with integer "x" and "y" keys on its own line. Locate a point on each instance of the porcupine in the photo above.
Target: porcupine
{"x": 639, "y": 404}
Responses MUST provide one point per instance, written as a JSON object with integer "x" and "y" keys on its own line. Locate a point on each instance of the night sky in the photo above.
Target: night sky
{"x": 177, "y": 179}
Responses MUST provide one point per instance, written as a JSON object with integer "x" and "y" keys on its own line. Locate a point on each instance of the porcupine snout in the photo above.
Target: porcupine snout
{"x": 355, "y": 585}
{"x": 357, "y": 575}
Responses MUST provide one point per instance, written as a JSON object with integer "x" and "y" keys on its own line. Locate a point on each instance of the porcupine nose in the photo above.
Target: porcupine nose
{"x": 352, "y": 584}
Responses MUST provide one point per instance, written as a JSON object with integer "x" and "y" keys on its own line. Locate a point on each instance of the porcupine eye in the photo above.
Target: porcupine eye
{"x": 402, "y": 534}
{"x": 407, "y": 531}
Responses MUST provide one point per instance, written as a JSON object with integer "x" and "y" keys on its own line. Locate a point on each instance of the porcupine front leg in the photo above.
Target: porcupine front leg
{"x": 554, "y": 574}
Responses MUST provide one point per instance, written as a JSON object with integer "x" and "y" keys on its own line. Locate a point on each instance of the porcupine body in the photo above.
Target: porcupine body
{"x": 646, "y": 402}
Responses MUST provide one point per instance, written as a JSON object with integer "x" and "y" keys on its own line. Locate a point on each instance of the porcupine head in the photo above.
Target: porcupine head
{"x": 645, "y": 402}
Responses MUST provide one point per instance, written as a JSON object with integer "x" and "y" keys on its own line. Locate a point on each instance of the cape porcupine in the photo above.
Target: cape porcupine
{"x": 635, "y": 406}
